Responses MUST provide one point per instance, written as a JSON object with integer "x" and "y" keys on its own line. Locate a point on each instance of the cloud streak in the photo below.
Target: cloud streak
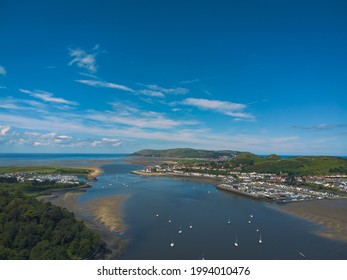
{"x": 101, "y": 84}
{"x": 223, "y": 107}
{"x": 47, "y": 97}
{"x": 175, "y": 91}
{"x": 321, "y": 127}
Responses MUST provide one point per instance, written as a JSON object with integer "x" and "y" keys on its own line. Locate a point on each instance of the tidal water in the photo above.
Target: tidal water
{"x": 153, "y": 201}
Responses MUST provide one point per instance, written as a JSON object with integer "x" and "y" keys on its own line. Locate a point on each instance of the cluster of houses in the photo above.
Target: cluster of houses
{"x": 264, "y": 186}
{"x": 40, "y": 178}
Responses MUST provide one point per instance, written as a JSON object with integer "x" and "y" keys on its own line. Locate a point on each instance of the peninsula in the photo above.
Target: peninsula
{"x": 270, "y": 178}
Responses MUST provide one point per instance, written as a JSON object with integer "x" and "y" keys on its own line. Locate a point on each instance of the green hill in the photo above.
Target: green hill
{"x": 185, "y": 153}
{"x": 302, "y": 165}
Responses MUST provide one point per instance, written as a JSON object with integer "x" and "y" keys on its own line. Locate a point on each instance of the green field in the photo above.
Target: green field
{"x": 44, "y": 170}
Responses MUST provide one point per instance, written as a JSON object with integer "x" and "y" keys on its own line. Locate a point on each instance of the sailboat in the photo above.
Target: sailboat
{"x": 260, "y": 241}
{"x": 236, "y": 244}
{"x": 180, "y": 230}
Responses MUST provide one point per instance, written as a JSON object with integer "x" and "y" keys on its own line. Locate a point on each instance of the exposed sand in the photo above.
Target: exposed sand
{"x": 96, "y": 171}
{"x": 331, "y": 214}
{"x": 108, "y": 212}
{"x": 103, "y": 215}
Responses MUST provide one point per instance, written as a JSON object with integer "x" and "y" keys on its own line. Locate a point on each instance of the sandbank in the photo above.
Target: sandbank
{"x": 330, "y": 214}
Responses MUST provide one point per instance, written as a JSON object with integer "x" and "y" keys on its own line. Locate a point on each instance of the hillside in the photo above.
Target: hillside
{"x": 301, "y": 165}
{"x": 184, "y": 153}
{"x": 30, "y": 229}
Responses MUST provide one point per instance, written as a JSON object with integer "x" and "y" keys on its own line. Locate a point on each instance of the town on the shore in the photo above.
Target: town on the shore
{"x": 274, "y": 187}
{"x": 20, "y": 177}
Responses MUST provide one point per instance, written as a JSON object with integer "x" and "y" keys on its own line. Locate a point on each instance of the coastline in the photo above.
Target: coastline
{"x": 328, "y": 213}
{"x": 201, "y": 179}
{"x": 102, "y": 215}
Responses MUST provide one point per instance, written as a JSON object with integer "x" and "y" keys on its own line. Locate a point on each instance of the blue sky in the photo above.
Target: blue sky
{"x": 120, "y": 76}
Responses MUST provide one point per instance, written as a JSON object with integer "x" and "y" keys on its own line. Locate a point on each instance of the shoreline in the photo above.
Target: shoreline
{"x": 201, "y": 179}
{"x": 106, "y": 220}
{"x": 330, "y": 214}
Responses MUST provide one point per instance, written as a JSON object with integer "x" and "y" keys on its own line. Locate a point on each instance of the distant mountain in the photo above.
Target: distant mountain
{"x": 185, "y": 153}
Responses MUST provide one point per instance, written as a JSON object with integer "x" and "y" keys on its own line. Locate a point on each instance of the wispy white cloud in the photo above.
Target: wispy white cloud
{"x": 176, "y": 90}
{"x": 151, "y": 93}
{"x": 223, "y": 107}
{"x": 3, "y": 71}
{"x": 83, "y": 59}
{"x": 47, "y": 97}
{"x": 101, "y": 84}
{"x": 142, "y": 119}
{"x": 190, "y": 81}
{"x": 321, "y": 127}
{"x": 112, "y": 141}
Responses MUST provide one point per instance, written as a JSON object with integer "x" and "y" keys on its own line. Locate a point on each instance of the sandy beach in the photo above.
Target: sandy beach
{"x": 331, "y": 214}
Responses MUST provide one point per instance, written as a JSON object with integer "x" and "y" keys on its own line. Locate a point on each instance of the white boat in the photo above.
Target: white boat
{"x": 190, "y": 226}
{"x": 260, "y": 241}
{"x": 249, "y": 221}
{"x": 236, "y": 243}
{"x": 251, "y": 216}
{"x": 169, "y": 221}
{"x": 157, "y": 215}
{"x": 257, "y": 230}
{"x": 172, "y": 244}
{"x": 180, "y": 230}
{"x": 229, "y": 222}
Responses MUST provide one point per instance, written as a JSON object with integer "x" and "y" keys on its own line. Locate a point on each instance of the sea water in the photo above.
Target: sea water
{"x": 202, "y": 213}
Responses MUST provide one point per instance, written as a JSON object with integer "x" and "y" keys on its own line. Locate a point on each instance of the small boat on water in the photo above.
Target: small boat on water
{"x": 260, "y": 241}
{"x": 302, "y": 255}
{"x": 180, "y": 230}
{"x": 157, "y": 215}
{"x": 190, "y": 226}
{"x": 229, "y": 222}
{"x": 249, "y": 221}
{"x": 169, "y": 221}
{"x": 172, "y": 244}
{"x": 251, "y": 216}
{"x": 236, "y": 243}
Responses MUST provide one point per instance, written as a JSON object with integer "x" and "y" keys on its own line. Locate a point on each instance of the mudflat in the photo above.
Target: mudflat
{"x": 103, "y": 215}
{"x": 331, "y": 214}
